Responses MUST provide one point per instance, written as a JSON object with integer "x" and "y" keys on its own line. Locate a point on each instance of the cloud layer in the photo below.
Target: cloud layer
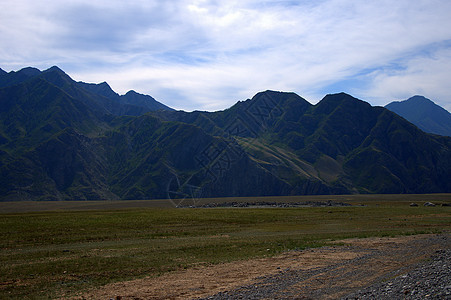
{"x": 207, "y": 54}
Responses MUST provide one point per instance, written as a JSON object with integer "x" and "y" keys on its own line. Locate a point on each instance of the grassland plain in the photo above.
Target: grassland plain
{"x": 49, "y": 254}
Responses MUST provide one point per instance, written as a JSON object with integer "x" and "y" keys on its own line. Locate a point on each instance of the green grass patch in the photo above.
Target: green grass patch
{"x": 48, "y": 254}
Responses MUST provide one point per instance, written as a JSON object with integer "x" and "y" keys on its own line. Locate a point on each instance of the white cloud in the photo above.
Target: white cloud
{"x": 426, "y": 75}
{"x": 206, "y": 54}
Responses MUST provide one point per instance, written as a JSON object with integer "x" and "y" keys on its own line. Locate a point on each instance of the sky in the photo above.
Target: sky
{"x": 209, "y": 54}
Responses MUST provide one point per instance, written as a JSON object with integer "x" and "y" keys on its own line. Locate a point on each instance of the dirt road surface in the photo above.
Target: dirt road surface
{"x": 329, "y": 272}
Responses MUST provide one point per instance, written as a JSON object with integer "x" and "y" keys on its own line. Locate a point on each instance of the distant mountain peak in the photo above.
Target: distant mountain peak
{"x": 54, "y": 69}
{"x": 273, "y": 102}
{"x": 277, "y": 96}
{"x": 272, "y": 92}
{"x": 415, "y": 99}
{"x": 339, "y": 97}
{"x": 16, "y": 77}
{"x": 134, "y": 98}
{"x": 339, "y": 94}
{"x": 418, "y": 97}
{"x": 102, "y": 89}
{"x": 30, "y": 71}
{"x": 423, "y": 113}
{"x": 132, "y": 92}
{"x": 342, "y": 100}
{"x": 61, "y": 139}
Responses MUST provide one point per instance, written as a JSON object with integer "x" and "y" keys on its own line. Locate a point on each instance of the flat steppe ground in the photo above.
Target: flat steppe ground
{"x": 148, "y": 250}
{"x": 328, "y": 272}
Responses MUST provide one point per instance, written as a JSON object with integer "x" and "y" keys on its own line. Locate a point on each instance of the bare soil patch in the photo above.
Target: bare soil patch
{"x": 323, "y": 273}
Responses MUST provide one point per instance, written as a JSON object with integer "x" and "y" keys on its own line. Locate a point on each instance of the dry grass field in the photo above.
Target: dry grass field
{"x": 55, "y": 249}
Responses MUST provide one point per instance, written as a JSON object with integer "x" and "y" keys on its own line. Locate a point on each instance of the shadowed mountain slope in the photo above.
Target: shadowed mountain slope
{"x": 60, "y": 139}
{"x": 131, "y": 98}
{"x": 424, "y": 113}
{"x": 341, "y": 145}
{"x": 98, "y": 97}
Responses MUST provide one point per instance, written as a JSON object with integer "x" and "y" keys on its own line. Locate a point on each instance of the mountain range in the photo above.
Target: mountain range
{"x": 67, "y": 140}
{"x": 424, "y": 113}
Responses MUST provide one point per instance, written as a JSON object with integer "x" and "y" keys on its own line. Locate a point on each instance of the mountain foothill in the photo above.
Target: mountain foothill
{"x": 67, "y": 140}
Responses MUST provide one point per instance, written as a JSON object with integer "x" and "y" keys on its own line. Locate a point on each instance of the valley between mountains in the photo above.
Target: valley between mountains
{"x": 67, "y": 140}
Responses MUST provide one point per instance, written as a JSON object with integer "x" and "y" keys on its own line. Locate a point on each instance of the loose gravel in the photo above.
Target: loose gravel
{"x": 429, "y": 280}
{"x": 405, "y": 267}
{"x": 395, "y": 271}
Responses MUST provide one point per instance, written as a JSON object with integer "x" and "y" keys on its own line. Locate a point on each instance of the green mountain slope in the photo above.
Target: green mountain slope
{"x": 35, "y": 110}
{"x": 342, "y": 144}
{"x": 130, "y": 99}
{"x": 99, "y": 97}
{"x": 63, "y": 140}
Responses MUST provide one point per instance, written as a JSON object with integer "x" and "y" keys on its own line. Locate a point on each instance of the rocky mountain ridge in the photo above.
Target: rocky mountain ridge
{"x": 65, "y": 140}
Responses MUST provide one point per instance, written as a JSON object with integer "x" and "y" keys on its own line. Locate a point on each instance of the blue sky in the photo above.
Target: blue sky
{"x": 207, "y": 55}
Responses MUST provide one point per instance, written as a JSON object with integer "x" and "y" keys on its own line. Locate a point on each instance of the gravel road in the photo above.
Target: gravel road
{"x": 388, "y": 270}
{"x": 429, "y": 280}
{"x": 404, "y": 267}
